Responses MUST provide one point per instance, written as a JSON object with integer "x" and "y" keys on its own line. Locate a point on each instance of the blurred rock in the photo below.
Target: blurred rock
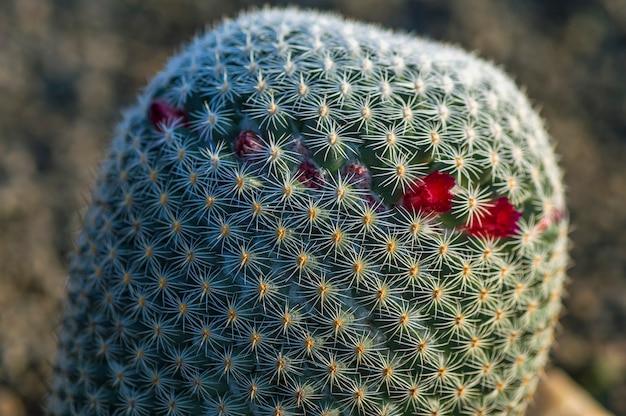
{"x": 559, "y": 395}
{"x": 10, "y": 404}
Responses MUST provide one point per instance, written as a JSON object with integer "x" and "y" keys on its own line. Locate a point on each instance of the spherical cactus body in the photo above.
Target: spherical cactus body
{"x": 309, "y": 216}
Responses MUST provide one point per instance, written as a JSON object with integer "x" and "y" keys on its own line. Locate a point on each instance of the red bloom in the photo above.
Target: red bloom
{"x": 500, "y": 221}
{"x": 161, "y": 112}
{"x": 432, "y": 193}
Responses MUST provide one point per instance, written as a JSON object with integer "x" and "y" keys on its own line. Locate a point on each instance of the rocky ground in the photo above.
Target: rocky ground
{"x": 67, "y": 67}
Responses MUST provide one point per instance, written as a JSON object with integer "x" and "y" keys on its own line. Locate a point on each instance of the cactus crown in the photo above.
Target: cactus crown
{"x": 305, "y": 215}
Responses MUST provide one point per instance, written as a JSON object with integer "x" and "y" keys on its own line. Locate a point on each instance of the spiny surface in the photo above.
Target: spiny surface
{"x": 305, "y": 215}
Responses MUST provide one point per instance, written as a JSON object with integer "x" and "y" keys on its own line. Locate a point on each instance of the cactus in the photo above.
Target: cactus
{"x": 307, "y": 215}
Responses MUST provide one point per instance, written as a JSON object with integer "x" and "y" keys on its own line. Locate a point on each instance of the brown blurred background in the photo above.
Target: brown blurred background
{"x": 67, "y": 68}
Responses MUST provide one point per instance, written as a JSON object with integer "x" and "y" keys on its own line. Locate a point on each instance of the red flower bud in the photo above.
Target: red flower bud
{"x": 310, "y": 176}
{"x": 247, "y": 143}
{"x": 430, "y": 194}
{"x": 500, "y": 221}
{"x": 357, "y": 175}
{"x": 161, "y": 112}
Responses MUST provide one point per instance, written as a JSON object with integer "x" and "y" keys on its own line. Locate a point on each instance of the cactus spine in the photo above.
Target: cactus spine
{"x": 306, "y": 215}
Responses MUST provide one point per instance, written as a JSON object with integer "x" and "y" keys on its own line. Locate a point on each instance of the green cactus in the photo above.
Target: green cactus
{"x": 307, "y": 215}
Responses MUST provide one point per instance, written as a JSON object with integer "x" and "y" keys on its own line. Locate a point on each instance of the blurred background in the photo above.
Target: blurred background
{"x": 67, "y": 68}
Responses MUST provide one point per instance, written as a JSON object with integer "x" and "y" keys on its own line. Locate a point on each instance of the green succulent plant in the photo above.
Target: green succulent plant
{"x": 304, "y": 215}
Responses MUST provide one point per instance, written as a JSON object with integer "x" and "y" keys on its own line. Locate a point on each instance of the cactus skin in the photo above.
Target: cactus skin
{"x": 323, "y": 268}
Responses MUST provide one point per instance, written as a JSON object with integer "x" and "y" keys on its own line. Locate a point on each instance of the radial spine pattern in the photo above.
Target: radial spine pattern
{"x": 310, "y": 216}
